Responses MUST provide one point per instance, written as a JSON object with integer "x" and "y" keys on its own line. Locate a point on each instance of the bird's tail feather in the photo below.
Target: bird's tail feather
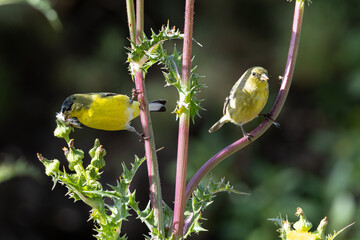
{"x": 217, "y": 125}
{"x": 157, "y": 106}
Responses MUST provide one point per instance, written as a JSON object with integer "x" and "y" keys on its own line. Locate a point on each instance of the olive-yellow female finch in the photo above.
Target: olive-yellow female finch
{"x": 104, "y": 111}
{"x": 246, "y": 100}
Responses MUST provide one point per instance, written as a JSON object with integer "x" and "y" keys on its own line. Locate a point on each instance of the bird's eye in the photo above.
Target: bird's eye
{"x": 254, "y": 74}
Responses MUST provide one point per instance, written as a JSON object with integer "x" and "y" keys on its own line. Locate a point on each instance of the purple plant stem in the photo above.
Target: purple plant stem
{"x": 149, "y": 140}
{"x": 150, "y": 152}
{"x": 184, "y": 124}
{"x": 279, "y": 103}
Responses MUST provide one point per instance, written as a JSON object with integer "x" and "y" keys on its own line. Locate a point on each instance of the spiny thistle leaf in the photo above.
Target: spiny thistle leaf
{"x": 168, "y": 216}
{"x": 188, "y": 101}
{"x": 82, "y": 185}
{"x": 150, "y": 51}
{"x": 172, "y": 66}
{"x": 201, "y": 199}
{"x": 147, "y": 216}
{"x": 119, "y": 210}
{"x": 127, "y": 174}
{"x": 331, "y": 237}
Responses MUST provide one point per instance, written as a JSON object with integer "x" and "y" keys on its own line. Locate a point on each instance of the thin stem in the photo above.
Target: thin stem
{"x": 150, "y": 152}
{"x": 149, "y": 140}
{"x": 139, "y": 19}
{"x": 131, "y": 16}
{"x": 279, "y": 103}
{"x": 184, "y": 125}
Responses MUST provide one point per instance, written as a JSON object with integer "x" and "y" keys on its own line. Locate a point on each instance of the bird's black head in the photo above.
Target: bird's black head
{"x": 65, "y": 113}
{"x": 67, "y": 104}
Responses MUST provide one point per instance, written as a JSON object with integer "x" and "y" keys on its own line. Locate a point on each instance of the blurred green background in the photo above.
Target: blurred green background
{"x": 312, "y": 161}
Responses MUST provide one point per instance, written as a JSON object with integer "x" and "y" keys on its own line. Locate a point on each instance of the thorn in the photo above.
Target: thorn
{"x": 160, "y": 149}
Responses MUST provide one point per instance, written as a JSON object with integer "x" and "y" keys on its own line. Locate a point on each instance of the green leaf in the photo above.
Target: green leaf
{"x": 119, "y": 211}
{"x": 44, "y": 6}
{"x": 83, "y": 185}
{"x": 201, "y": 199}
{"x": 127, "y": 174}
{"x": 188, "y": 101}
{"x": 168, "y": 216}
{"x": 150, "y": 50}
{"x": 11, "y": 167}
{"x": 331, "y": 237}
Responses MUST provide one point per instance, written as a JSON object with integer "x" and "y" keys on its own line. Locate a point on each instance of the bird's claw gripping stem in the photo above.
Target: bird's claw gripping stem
{"x": 134, "y": 94}
{"x": 269, "y": 116}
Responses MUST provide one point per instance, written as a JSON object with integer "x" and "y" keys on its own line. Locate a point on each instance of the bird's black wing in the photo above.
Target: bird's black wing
{"x": 231, "y": 96}
{"x": 108, "y": 94}
{"x": 226, "y": 103}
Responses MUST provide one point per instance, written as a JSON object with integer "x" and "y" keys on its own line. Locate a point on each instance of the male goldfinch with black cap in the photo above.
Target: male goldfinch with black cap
{"x": 104, "y": 111}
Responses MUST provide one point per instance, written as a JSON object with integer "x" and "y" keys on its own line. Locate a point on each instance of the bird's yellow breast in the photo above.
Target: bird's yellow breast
{"x": 248, "y": 101}
{"x": 110, "y": 113}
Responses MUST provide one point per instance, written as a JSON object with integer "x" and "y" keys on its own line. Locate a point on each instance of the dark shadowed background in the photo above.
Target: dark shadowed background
{"x": 312, "y": 161}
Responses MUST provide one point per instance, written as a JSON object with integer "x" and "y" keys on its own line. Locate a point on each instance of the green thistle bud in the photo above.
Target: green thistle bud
{"x": 73, "y": 155}
{"x": 62, "y": 130}
{"x": 303, "y": 225}
{"x": 51, "y": 166}
{"x": 320, "y": 231}
{"x": 302, "y": 228}
{"x": 93, "y": 150}
{"x": 98, "y": 159}
{"x": 92, "y": 172}
{"x": 95, "y": 184}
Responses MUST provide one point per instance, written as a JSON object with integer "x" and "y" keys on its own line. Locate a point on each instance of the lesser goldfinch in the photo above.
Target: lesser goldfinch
{"x": 246, "y": 100}
{"x": 104, "y": 111}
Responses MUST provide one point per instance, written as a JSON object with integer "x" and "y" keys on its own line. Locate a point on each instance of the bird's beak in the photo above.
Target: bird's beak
{"x": 73, "y": 122}
{"x": 264, "y": 77}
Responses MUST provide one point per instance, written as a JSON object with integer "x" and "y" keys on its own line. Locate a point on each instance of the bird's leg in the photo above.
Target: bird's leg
{"x": 132, "y": 129}
{"x": 247, "y": 135}
{"x": 134, "y": 94}
{"x": 268, "y": 116}
{"x": 141, "y": 135}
